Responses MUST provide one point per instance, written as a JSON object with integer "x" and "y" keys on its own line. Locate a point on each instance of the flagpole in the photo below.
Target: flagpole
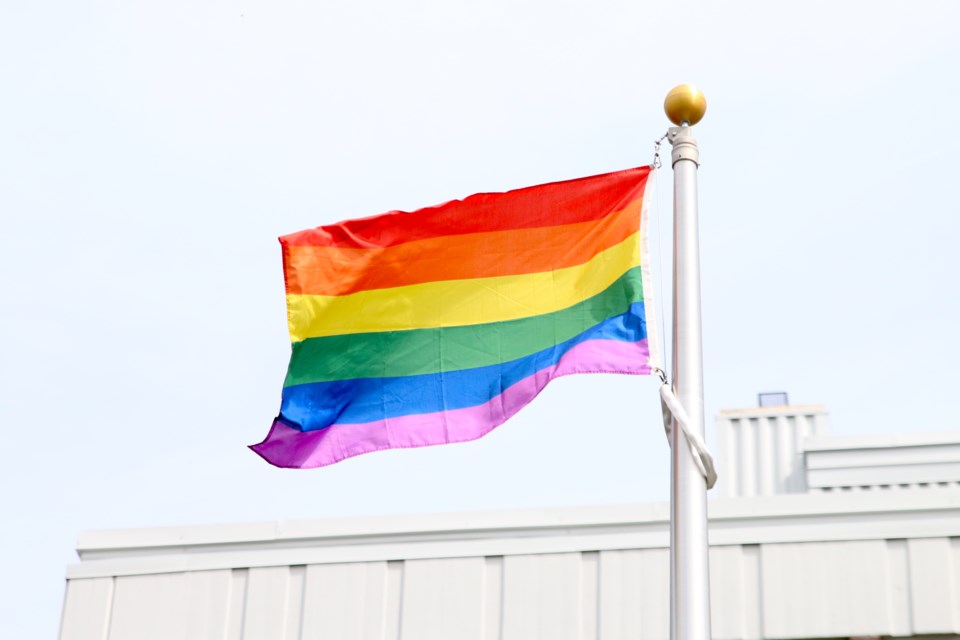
{"x": 689, "y": 558}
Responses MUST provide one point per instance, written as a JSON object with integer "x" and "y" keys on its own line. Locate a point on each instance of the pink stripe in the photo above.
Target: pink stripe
{"x": 287, "y": 447}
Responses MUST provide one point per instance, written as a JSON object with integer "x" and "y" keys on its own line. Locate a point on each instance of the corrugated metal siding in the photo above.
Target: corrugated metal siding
{"x": 803, "y": 590}
{"x": 350, "y": 600}
{"x": 760, "y": 451}
{"x": 634, "y": 588}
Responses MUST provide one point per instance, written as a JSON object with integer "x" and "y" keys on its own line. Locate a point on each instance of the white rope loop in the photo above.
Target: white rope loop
{"x": 673, "y": 411}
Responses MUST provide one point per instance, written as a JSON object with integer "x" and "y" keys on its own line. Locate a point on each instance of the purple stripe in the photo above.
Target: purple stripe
{"x": 287, "y": 447}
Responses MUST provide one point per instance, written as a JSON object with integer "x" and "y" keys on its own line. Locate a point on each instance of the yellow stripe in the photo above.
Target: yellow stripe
{"x": 459, "y": 302}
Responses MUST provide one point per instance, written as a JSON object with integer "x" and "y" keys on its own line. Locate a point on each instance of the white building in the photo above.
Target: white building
{"x": 812, "y": 536}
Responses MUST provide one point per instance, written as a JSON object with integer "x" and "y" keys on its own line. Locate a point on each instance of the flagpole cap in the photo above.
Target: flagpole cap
{"x": 685, "y": 104}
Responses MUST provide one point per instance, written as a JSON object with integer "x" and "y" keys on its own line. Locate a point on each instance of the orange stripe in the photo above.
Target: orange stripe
{"x": 334, "y": 271}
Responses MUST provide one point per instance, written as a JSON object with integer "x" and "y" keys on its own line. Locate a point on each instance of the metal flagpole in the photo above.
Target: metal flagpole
{"x": 689, "y": 560}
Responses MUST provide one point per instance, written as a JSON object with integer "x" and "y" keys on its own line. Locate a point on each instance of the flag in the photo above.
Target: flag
{"x": 435, "y": 326}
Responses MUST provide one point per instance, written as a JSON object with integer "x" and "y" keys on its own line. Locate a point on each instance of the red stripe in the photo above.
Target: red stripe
{"x": 334, "y": 271}
{"x": 546, "y": 205}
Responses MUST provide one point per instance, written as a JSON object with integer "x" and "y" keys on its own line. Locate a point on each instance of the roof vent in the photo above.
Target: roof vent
{"x": 772, "y": 399}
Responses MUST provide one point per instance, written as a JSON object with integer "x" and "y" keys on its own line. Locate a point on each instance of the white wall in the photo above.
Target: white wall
{"x": 802, "y": 566}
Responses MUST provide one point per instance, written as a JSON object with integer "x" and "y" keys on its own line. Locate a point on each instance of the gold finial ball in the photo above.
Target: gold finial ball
{"x": 685, "y": 103}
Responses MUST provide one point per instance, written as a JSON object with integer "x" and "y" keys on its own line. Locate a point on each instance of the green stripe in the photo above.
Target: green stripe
{"x": 419, "y": 351}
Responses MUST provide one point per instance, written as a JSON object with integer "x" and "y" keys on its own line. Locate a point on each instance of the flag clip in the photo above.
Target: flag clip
{"x": 656, "y": 151}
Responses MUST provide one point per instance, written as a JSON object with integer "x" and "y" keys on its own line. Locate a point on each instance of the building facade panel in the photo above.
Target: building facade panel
{"x": 823, "y": 589}
{"x": 164, "y": 606}
{"x": 347, "y": 601}
{"x": 443, "y": 598}
{"x": 634, "y": 594}
{"x": 735, "y": 588}
{"x": 934, "y": 596}
{"x": 86, "y": 609}
{"x": 542, "y": 596}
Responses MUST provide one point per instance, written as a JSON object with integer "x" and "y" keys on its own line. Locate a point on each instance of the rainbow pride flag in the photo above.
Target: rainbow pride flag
{"x": 432, "y": 327}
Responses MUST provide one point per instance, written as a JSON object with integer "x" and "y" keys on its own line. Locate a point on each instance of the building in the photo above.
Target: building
{"x": 812, "y": 536}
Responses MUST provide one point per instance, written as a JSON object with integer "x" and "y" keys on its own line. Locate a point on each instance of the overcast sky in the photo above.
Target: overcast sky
{"x": 151, "y": 153}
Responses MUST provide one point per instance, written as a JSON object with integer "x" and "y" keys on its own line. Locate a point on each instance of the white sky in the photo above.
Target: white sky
{"x": 151, "y": 153}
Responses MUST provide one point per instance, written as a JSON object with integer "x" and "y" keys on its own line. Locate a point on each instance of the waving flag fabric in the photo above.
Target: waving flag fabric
{"x": 435, "y": 326}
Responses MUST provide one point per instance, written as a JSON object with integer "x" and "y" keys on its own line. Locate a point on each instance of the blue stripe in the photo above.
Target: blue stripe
{"x": 317, "y": 405}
